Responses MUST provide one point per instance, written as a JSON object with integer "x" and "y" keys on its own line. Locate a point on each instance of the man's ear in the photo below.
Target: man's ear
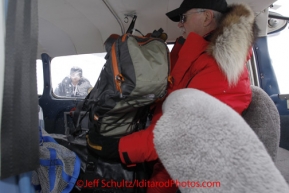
{"x": 209, "y": 15}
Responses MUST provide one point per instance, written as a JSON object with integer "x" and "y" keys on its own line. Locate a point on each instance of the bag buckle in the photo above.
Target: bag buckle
{"x": 90, "y": 167}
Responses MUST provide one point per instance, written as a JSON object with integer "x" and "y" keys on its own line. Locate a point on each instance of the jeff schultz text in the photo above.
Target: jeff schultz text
{"x": 144, "y": 183}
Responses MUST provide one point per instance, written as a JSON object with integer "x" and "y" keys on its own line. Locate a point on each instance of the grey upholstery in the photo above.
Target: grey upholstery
{"x": 263, "y": 117}
{"x": 200, "y": 139}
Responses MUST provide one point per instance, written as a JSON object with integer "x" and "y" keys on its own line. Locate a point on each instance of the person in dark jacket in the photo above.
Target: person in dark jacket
{"x": 74, "y": 85}
{"x": 210, "y": 56}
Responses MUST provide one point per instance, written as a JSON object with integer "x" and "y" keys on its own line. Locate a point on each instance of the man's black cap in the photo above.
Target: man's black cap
{"x": 217, "y": 5}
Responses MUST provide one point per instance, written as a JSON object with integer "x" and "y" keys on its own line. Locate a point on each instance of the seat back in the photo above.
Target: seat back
{"x": 263, "y": 117}
{"x": 198, "y": 138}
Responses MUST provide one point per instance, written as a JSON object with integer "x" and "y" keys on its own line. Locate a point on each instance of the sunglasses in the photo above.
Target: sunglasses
{"x": 76, "y": 74}
{"x": 183, "y": 17}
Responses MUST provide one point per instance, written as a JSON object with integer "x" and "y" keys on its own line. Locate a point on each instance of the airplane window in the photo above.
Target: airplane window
{"x": 278, "y": 45}
{"x": 74, "y": 76}
{"x": 39, "y": 72}
{"x": 170, "y": 46}
{"x": 61, "y": 67}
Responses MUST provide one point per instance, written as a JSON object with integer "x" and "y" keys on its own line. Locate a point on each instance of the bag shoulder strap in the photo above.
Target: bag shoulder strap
{"x": 109, "y": 41}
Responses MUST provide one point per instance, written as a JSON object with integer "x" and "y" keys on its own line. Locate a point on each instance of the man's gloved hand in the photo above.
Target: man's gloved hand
{"x": 104, "y": 147}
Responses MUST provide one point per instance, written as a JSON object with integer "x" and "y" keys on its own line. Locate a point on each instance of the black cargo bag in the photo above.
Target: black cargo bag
{"x": 135, "y": 76}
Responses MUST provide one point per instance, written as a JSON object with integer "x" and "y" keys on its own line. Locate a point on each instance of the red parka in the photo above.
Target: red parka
{"x": 192, "y": 67}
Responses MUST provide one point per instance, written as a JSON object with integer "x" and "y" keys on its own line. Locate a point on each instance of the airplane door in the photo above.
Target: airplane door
{"x": 272, "y": 73}
{"x": 55, "y": 110}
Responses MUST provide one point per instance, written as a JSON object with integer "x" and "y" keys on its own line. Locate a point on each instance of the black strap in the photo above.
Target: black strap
{"x": 19, "y": 126}
{"x": 109, "y": 41}
{"x": 76, "y": 114}
{"x": 126, "y": 158}
{"x": 82, "y": 105}
{"x": 131, "y": 26}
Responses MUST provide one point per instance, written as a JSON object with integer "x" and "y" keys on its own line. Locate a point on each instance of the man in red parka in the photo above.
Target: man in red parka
{"x": 210, "y": 56}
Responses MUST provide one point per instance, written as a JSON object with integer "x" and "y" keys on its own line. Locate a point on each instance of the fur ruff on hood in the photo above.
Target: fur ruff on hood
{"x": 232, "y": 40}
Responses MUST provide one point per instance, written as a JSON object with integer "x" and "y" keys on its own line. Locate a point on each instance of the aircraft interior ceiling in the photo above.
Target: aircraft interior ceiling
{"x": 68, "y": 27}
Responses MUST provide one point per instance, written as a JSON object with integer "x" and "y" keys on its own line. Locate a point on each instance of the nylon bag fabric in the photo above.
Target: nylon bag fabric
{"x": 102, "y": 176}
{"x": 59, "y": 167}
{"x": 135, "y": 75}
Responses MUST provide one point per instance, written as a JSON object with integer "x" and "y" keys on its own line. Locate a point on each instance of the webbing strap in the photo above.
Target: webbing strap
{"x": 19, "y": 126}
{"x": 110, "y": 41}
{"x": 52, "y": 168}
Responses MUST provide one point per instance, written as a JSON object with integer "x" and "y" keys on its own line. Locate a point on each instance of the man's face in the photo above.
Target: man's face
{"x": 191, "y": 21}
{"x": 75, "y": 77}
